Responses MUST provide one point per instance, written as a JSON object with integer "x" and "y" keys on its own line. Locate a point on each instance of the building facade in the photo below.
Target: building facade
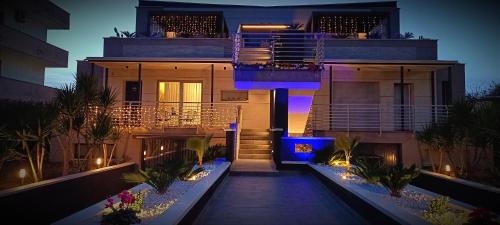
{"x": 308, "y": 71}
{"x": 24, "y": 51}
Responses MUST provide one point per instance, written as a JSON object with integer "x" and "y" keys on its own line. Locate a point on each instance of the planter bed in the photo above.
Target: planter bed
{"x": 169, "y": 208}
{"x": 385, "y": 208}
{"x": 463, "y": 190}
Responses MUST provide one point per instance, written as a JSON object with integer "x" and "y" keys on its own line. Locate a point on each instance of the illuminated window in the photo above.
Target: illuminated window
{"x": 180, "y": 102}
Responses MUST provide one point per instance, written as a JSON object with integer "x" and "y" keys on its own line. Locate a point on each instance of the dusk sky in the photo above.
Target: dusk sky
{"x": 467, "y": 30}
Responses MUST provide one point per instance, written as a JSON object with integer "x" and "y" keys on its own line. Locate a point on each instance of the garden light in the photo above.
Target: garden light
{"x": 447, "y": 168}
{"x": 22, "y": 175}
{"x": 161, "y": 147}
{"x": 98, "y": 161}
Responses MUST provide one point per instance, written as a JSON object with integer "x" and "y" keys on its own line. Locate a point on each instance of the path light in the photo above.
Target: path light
{"x": 344, "y": 177}
{"x": 447, "y": 169}
{"x": 22, "y": 175}
{"x": 98, "y": 161}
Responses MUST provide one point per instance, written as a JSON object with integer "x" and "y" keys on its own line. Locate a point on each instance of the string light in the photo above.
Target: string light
{"x": 348, "y": 24}
{"x": 187, "y": 25}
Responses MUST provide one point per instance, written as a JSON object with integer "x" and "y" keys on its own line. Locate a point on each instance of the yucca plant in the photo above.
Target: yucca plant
{"x": 159, "y": 179}
{"x": 397, "y": 178}
{"x": 347, "y": 145}
{"x": 200, "y": 146}
{"x": 370, "y": 170}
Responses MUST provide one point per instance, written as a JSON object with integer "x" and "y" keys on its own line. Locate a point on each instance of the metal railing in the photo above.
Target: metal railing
{"x": 159, "y": 115}
{"x": 375, "y": 117}
{"x": 287, "y": 49}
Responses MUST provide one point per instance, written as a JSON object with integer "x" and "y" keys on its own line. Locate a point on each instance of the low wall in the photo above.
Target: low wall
{"x": 25, "y": 91}
{"x": 50, "y": 200}
{"x": 469, "y": 192}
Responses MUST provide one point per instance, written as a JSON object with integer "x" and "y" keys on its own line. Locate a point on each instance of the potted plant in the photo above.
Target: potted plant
{"x": 123, "y": 214}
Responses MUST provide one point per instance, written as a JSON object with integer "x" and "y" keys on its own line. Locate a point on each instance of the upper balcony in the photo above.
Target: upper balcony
{"x": 19, "y": 41}
{"x": 168, "y": 47}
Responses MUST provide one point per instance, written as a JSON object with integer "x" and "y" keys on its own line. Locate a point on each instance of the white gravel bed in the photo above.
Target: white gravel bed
{"x": 413, "y": 200}
{"x": 156, "y": 204}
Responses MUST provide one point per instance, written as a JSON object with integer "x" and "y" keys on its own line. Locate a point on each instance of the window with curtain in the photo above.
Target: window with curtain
{"x": 180, "y": 102}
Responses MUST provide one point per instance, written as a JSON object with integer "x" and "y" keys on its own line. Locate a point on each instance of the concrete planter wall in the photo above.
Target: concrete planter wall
{"x": 470, "y": 192}
{"x": 47, "y": 201}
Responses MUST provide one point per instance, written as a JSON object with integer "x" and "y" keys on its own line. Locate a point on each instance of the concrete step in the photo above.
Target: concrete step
{"x": 255, "y": 146}
{"x": 254, "y": 142}
{"x": 255, "y": 151}
{"x": 255, "y": 130}
{"x": 254, "y": 137}
{"x": 254, "y": 156}
{"x": 255, "y": 133}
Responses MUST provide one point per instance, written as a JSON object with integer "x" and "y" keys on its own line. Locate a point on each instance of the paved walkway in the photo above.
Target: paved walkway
{"x": 291, "y": 198}
{"x": 253, "y": 165}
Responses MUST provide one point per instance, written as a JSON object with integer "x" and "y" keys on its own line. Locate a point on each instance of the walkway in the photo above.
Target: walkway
{"x": 291, "y": 198}
{"x": 253, "y": 165}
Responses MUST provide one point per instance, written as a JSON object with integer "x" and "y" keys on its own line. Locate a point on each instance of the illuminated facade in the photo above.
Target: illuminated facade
{"x": 317, "y": 70}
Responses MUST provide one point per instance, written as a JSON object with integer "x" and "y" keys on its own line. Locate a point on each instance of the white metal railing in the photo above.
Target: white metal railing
{"x": 375, "y": 117}
{"x": 287, "y": 49}
{"x": 159, "y": 115}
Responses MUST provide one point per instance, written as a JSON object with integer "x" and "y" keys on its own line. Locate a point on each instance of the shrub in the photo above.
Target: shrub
{"x": 213, "y": 152}
{"x": 370, "y": 170}
{"x": 160, "y": 179}
{"x": 200, "y": 146}
{"x": 347, "y": 145}
{"x": 397, "y": 178}
{"x": 438, "y": 213}
{"x": 482, "y": 216}
{"x": 323, "y": 155}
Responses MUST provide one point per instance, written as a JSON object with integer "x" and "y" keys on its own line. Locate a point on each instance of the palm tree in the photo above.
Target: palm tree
{"x": 200, "y": 146}
{"x": 347, "y": 145}
{"x": 100, "y": 130}
{"x": 23, "y": 137}
{"x": 69, "y": 105}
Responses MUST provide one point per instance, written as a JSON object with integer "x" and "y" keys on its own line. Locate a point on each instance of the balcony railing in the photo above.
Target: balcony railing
{"x": 375, "y": 117}
{"x": 160, "y": 115}
{"x": 287, "y": 50}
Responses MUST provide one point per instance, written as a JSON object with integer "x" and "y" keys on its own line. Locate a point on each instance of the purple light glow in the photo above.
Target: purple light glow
{"x": 299, "y": 104}
{"x": 259, "y": 85}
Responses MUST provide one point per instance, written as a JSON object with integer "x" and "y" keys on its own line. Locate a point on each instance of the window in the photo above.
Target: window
{"x": 445, "y": 87}
{"x": 234, "y": 96}
{"x": 180, "y": 102}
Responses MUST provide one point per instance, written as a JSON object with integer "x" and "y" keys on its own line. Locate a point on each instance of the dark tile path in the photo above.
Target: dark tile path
{"x": 291, "y": 198}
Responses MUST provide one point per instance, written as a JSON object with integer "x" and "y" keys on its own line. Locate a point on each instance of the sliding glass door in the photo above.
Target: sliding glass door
{"x": 180, "y": 102}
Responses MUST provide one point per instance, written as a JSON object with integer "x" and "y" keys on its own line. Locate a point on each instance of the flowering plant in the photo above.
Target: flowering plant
{"x": 124, "y": 214}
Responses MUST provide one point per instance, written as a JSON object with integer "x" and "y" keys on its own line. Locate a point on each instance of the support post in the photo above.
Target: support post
{"x": 230, "y": 144}
{"x": 106, "y": 77}
{"x": 212, "y": 84}
{"x": 139, "y": 77}
{"x": 280, "y": 127}
{"x": 330, "y": 110}
{"x": 402, "y": 100}
{"x": 433, "y": 94}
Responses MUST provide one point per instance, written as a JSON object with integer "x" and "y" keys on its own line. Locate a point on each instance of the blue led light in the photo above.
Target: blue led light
{"x": 288, "y": 147}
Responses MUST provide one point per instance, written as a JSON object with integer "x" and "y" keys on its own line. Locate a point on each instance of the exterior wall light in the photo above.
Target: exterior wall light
{"x": 263, "y": 26}
{"x": 98, "y": 162}
{"x": 144, "y": 153}
{"x": 161, "y": 148}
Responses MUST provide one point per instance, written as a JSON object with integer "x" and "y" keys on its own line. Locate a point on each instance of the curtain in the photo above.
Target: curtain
{"x": 191, "y": 107}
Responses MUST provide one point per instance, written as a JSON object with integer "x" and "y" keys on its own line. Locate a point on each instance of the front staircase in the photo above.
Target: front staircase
{"x": 255, "y": 144}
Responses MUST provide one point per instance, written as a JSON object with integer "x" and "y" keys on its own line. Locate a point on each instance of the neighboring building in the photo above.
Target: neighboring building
{"x": 313, "y": 70}
{"x": 24, "y": 51}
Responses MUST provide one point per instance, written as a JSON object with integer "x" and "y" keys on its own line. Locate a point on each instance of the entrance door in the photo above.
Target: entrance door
{"x": 180, "y": 102}
{"x": 132, "y": 101}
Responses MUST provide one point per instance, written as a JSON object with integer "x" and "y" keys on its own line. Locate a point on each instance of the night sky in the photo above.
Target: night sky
{"x": 467, "y": 30}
